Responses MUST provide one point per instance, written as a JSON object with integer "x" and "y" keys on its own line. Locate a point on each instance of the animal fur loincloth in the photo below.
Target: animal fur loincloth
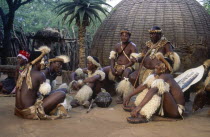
{"x": 124, "y": 87}
{"x": 84, "y": 94}
{"x": 117, "y": 67}
{"x": 36, "y": 112}
{"x": 144, "y": 73}
{"x": 151, "y": 107}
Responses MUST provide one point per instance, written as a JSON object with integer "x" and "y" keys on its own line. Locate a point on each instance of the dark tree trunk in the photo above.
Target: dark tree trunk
{"x": 7, "y": 48}
{"x": 8, "y": 20}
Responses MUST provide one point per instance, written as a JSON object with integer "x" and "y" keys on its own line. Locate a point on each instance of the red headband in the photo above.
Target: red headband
{"x": 24, "y": 54}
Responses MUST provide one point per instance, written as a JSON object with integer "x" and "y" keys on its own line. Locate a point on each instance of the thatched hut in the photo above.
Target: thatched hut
{"x": 184, "y": 22}
{"x": 48, "y": 36}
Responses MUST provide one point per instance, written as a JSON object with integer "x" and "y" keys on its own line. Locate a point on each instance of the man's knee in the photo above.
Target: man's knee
{"x": 174, "y": 114}
{"x": 132, "y": 77}
{"x": 106, "y": 70}
{"x": 61, "y": 95}
{"x": 126, "y": 72}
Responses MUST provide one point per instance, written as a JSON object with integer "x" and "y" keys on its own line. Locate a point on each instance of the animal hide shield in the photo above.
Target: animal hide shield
{"x": 190, "y": 77}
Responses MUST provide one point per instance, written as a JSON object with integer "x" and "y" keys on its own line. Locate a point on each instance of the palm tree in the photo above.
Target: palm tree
{"x": 83, "y": 12}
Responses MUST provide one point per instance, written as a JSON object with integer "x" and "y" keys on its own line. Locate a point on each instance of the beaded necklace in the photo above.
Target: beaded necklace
{"x": 21, "y": 68}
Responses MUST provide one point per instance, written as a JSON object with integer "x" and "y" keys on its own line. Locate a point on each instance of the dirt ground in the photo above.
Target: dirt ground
{"x": 102, "y": 122}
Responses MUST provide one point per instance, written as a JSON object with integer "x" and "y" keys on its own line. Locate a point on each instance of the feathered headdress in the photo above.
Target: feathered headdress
{"x": 45, "y": 50}
{"x": 91, "y": 59}
{"x": 61, "y": 58}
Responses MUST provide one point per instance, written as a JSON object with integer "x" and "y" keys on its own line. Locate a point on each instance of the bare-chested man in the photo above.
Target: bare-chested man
{"x": 28, "y": 104}
{"x": 89, "y": 86}
{"x": 159, "y": 90}
{"x": 121, "y": 64}
{"x": 147, "y": 59}
{"x": 55, "y": 69}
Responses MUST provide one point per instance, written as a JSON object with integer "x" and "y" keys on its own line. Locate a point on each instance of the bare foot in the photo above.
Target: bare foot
{"x": 128, "y": 108}
{"x": 74, "y": 103}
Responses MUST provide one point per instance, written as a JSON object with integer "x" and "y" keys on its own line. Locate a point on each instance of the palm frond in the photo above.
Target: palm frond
{"x": 100, "y": 2}
{"x": 67, "y": 15}
{"x": 71, "y": 19}
{"x": 81, "y": 16}
{"x": 76, "y": 9}
{"x": 64, "y": 5}
{"x": 100, "y": 8}
{"x": 95, "y": 14}
{"x": 81, "y": 10}
{"x": 90, "y": 15}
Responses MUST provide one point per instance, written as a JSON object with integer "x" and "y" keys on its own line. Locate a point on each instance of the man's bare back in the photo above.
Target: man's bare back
{"x": 27, "y": 97}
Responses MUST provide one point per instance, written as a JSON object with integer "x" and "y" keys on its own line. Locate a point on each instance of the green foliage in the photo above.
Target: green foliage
{"x": 207, "y": 5}
{"x": 40, "y": 14}
{"x": 36, "y": 15}
{"x": 83, "y": 11}
{"x": 5, "y": 9}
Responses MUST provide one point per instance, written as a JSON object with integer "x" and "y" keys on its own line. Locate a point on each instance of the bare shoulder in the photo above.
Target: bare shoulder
{"x": 168, "y": 47}
{"x": 132, "y": 44}
{"x": 38, "y": 75}
{"x": 118, "y": 45}
{"x": 167, "y": 77}
{"x": 133, "y": 47}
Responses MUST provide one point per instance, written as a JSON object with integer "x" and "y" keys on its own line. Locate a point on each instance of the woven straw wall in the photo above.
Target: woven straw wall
{"x": 184, "y": 22}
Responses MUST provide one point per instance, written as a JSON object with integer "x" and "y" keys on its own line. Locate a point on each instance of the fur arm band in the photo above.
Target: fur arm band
{"x": 161, "y": 85}
{"x": 79, "y": 71}
{"x": 101, "y": 73}
{"x": 175, "y": 58}
{"x": 136, "y": 55}
{"x": 45, "y": 88}
{"x": 149, "y": 80}
{"x": 112, "y": 55}
{"x": 79, "y": 82}
{"x": 71, "y": 83}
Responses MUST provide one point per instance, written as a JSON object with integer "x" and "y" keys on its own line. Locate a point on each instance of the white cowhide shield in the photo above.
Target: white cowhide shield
{"x": 190, "y": 77}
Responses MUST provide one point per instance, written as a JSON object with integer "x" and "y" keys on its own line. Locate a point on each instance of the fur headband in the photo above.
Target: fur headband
{"x": 125, "y": 31}
{"x": 155, "y": 31}
{"x": 61, "y": 58}
{"x": 91, "y": 59}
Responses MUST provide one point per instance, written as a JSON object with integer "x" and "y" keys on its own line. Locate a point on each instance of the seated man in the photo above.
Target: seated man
{"x": 202, "y": 88}
{"x": 148, "y": 60}
{"x": 7, "y": 86}
{"x": 53, "y": 70}
{"x": 159, "y": 90}
{"x": 121, "y": 64}
{"x": 31, "y": 81}
{"x": 87, "y": 87}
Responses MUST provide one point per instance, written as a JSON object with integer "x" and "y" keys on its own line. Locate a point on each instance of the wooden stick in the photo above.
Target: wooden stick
{"x": 91, "y": 103}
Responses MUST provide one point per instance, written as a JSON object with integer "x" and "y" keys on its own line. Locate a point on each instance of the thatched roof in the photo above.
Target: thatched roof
{"x": 184, "y": 22}
{"x": 48, "y": 34}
